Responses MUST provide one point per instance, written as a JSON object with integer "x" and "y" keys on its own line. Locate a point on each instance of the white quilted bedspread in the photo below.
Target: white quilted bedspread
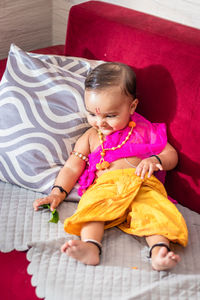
{"x": 124, "y": 273}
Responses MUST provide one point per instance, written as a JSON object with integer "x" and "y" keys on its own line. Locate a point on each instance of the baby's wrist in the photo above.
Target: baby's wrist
{"x": 59, "y": 191}
{"x": 157, "y": 158}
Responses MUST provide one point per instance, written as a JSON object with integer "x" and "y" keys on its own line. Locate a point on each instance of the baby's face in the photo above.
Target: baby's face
{"x": 109, "y": 110}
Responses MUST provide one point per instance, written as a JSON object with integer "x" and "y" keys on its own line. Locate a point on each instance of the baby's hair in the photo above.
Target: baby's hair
{"x": 112, "y": 74}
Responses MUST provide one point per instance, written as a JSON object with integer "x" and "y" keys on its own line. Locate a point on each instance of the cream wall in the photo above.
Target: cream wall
{"x": 59, "y": 22}
{"x": 33, "y": 24}
{"x": 182, "y": 11}
{"x": 28, "y": 23}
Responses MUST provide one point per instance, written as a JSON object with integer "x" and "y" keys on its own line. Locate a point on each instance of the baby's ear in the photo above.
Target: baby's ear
{"x": 134, "y": 105}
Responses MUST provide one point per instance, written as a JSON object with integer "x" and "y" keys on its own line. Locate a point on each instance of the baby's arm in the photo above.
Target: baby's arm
{"x": 68, "y": 175}
{"x": 168, "y": 157}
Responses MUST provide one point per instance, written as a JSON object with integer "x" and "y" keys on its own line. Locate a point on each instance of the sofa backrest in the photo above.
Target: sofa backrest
{"x": 166, "y": 58}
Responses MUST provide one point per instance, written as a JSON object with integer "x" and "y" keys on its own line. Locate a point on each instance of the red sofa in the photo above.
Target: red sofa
{"x": 166, "y": 58}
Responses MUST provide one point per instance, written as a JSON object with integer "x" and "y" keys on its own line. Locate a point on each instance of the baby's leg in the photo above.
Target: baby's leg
{"x": 86, "y": 250}
{"x": 162, "y": 258}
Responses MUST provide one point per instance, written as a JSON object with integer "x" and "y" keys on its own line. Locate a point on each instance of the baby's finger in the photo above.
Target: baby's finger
{"x": 144, "y": 171}
{"x": 54, "y": 204}
{"x": 138, "y": 170}
{"x": 151, "y": 170}
{"x": 37, "y": 203}
{"x": 159, "y": 166}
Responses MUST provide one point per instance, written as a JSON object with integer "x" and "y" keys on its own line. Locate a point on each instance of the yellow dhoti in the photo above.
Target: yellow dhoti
{"x": 137, "y": 206}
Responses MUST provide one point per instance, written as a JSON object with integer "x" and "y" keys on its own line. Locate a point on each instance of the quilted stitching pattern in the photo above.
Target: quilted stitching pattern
{"x": 57, "y": 276}
{"x": 19, "y": 224}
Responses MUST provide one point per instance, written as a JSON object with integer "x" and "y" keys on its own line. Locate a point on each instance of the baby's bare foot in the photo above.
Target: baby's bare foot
{"x": 86, "y": 253}
{"x": 164, "y": 260}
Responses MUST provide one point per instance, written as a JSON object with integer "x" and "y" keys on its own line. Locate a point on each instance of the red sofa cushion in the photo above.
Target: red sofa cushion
{"x": 15, "y": 282}
{"x": 2, "y": 66}
{"x": 165, "y": 56}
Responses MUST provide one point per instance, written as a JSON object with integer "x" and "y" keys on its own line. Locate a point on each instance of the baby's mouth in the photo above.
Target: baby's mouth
{"x": 104, "y": 129}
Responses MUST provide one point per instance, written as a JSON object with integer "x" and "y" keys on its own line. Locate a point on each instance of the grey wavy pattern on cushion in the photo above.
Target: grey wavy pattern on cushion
{"x": 81, "y": 66}
{"x": 42, "y": 116}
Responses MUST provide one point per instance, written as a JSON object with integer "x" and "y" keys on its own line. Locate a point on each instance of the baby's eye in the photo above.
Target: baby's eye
{"x": 91, "y": 114}
{"x": 111, "y": 116}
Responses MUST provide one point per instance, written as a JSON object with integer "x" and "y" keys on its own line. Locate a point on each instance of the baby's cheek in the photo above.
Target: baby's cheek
{"x": 91, "y": 121}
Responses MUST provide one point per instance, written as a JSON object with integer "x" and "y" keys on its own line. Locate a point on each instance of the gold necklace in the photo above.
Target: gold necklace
{"x": 103, "y": 164}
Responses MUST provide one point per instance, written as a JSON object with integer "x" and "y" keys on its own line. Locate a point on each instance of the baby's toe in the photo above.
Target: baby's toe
{"x": 64, "y": 247}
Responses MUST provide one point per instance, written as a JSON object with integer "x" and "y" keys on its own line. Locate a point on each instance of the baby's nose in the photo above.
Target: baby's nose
{"x": 100, "y": 122}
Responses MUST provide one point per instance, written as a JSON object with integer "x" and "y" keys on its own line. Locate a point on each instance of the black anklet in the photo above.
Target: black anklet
{"x": 158, "y": 245}
{"x": 99, "y": 245}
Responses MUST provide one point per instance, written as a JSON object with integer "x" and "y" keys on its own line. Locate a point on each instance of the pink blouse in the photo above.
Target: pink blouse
{"x": 146, "y": 139}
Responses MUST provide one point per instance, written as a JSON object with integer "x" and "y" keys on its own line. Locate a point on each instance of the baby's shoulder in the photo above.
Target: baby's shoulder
{"x": 90, "y": 133}
{"x": 90, "y": 136}
{"x": 93, "y": 138}
{"x": 83, "y": 144}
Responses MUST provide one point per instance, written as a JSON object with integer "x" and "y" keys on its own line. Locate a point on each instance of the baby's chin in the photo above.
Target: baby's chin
{"x": 106, "y": 131}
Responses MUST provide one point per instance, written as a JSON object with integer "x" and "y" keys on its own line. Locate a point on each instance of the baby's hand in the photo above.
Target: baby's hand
{"x": 149, "y": 165}
{"x": 53, "y": 199}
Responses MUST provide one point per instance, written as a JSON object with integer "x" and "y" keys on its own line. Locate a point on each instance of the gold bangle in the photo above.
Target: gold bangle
{"x": 80, "y": 155}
